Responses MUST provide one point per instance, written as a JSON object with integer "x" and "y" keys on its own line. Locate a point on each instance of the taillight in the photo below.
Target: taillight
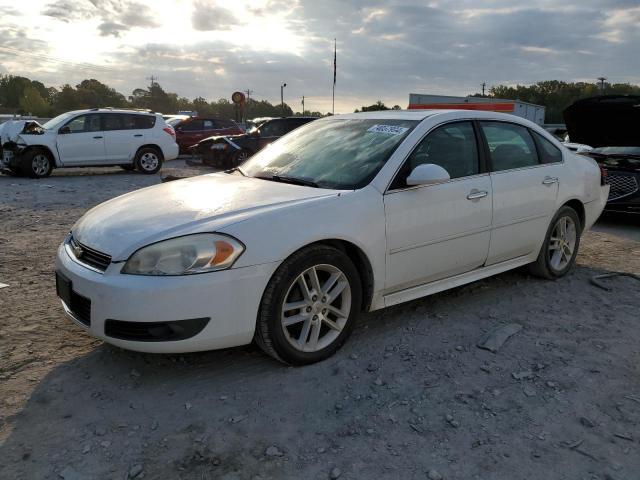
{"x": 170, "y": 131}
{"x": 603, "y": 175}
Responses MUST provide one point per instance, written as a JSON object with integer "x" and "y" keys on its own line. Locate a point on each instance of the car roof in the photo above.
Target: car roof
{"x": 114, "y": 110}
{"x": 446, "y": 114}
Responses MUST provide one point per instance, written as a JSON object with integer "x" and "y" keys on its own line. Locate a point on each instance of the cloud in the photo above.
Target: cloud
{"x": 116, "y": 16}
{"x": 386, "y": 48}
{"x": 209, "y": 17}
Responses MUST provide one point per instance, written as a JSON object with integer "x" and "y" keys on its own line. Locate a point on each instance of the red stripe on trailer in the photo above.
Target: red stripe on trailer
{"x": 489, "y": 107}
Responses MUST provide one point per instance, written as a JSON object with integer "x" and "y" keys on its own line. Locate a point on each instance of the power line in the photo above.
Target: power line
{"x": 47, "y": 58}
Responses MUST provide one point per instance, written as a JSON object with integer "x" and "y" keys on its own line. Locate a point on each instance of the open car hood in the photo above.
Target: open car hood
{"x": 605, "y": 121}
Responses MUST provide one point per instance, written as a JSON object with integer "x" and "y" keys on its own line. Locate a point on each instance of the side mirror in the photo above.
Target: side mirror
{"x": 427, "y": 174}
{"x": 255, "y": 133}
{"x": 64, "y": 130}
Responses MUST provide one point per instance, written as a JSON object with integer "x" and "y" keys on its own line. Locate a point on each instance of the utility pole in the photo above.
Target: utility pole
{"x": 483, "y": 86}
{"x": 602, "y": 80}
{"x": 248, "y": 91}
{"x": 153, "y": 80}
{"x": 303, "y": 105}
{"x": 282, "y": 97}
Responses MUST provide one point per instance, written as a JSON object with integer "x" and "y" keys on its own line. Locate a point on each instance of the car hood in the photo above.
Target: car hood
{"x": 206, "y": 203}
{"x": 605, "y": 121}
{"x": 218, "y": 138}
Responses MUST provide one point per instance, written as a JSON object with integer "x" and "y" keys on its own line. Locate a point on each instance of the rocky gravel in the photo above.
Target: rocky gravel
{"x": 410, "y": 396}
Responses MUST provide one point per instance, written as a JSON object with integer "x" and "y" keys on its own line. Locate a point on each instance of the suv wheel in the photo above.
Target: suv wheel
{"x": 148, "y": 160}
{"x": 37, "y": 163}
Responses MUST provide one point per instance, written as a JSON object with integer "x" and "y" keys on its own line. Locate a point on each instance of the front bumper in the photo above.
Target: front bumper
{"x": 229, "y": 298}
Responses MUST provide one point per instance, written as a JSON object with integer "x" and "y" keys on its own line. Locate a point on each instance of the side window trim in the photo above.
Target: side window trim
{"x": 481, "y": 162}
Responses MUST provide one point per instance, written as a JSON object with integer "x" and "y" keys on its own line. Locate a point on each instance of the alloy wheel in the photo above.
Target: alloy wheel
{"x": 316, "y": 308}
{"x": 149, "y": 161}
{"x": 562, "y": 243}
{"x": 40, "y": 164}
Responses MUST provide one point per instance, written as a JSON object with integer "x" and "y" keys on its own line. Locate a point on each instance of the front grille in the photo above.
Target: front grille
{"x": 81, "y": 308}
{"x": 89, "y": 256}
{"x": 622, "y": 185}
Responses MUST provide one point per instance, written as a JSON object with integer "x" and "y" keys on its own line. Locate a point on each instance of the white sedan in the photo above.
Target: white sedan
{"x": 346, "y": 214}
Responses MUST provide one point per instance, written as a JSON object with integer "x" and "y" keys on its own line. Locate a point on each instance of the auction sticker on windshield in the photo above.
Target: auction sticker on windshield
{"x": 390, "y": 129}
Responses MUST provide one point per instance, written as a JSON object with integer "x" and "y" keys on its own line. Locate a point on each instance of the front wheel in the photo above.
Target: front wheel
{"x": 148, "y": 160}
{"x": 239, "y": 157}
{"x": 560, "y": 248}
{"x": 36, "y": 163}
{"x": 310, "y": 306}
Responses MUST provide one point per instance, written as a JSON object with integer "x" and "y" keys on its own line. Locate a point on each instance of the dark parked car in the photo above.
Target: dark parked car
{"x": 231, "y": 150}
{"x": 611, "y": 124}
{"x": 191, "y": 130}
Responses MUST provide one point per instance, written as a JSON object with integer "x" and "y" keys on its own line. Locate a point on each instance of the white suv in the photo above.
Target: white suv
{"x": 86, "y": 138}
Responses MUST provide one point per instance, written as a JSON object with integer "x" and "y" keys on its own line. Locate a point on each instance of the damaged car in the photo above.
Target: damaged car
{"x": 131, "y": 139}
{"x": 347, "y": 214}
{"x": 229, "y": 151}
{"x": 610, "y": 124}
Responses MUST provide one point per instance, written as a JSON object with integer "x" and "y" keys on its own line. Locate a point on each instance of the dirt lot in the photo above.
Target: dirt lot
{"x": 409, "y": 397}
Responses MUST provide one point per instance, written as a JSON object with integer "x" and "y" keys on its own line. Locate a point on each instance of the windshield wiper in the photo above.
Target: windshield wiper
{"x": 291, "y": 180}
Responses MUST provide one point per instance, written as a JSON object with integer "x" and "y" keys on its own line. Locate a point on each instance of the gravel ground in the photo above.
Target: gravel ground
{"x": 409, "y": 397}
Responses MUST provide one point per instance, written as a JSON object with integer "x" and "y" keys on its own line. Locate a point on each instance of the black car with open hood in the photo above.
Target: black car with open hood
{"x": 611, "y": 124}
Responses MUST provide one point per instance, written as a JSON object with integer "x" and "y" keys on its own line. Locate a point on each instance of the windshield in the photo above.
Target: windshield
{"x": 57, "y": 121}
{"x": 343, "y": 154}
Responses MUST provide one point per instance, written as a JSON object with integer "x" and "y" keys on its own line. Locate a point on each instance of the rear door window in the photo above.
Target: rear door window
{"x": 510, "y": 146}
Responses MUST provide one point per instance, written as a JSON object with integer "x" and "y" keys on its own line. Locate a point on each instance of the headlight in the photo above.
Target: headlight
{"x": 199, "y": 253}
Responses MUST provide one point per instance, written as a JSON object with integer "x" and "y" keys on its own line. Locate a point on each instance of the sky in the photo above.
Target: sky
{"x": 385, "y": 49}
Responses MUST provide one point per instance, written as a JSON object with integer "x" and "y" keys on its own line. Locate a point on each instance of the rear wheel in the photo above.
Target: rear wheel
{"x": 148, "y": 160}
{"x": 36, "y": 163}
{"x": 560, "y": 248}
{"x": 310, "y": 306}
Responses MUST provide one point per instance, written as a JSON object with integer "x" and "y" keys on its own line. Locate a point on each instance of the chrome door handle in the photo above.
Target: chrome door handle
{"x": 549, "y": 180}
{"x": 477, "y": 194}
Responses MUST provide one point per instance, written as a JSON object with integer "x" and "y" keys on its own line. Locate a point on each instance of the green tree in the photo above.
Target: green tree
{"x": 94, "y": 94}
{"x": 32, "y": 102}
{"x": 374, "y": 108}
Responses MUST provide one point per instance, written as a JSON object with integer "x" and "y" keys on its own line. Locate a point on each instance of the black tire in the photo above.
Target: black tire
{"x": 36, "y": 163}
{"x": 270, "y": 333}
{"x": 544, "y": 266}
{"x": 239, "y": 157}
{"x": 148, "y": 160}
{"x": 128, "y": 168}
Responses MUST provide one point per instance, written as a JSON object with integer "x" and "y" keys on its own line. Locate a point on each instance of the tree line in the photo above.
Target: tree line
{"x": 24, "y": 96}
{"x": 555, "y": 95}
{"x": 31, "y": 97}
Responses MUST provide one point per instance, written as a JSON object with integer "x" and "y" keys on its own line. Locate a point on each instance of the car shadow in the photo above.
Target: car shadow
{"x": 203, "y": 415}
